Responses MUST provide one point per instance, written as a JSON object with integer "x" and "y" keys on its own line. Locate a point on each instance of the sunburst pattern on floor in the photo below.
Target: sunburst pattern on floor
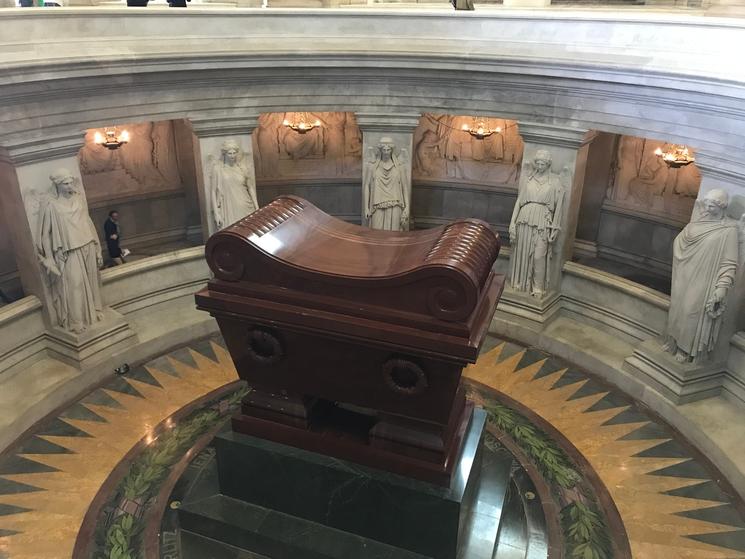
{"x": 669, "y": 503}
{"x": 48, "y": 483}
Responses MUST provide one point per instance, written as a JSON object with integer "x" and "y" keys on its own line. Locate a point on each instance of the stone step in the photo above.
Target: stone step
{"x": 223, "y": 523}
{"x": 486, "y": 513}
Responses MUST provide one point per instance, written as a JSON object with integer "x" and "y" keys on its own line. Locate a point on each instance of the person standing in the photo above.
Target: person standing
{"x": 113, "y": 235}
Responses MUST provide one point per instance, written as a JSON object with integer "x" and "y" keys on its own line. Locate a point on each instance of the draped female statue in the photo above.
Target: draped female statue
{"x": 232, "y": 185}
{"x": 535, "y": 225}
{"x": 386, "y": 184}
{"x": 705, "y": 260}
{"x": 70, "y": 254}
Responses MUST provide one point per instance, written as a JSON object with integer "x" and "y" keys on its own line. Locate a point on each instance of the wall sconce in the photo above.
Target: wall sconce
{"x": 301, "y": 123}
{"x": 110, "y": 139}
{"x": 479, "y": 128}
{"x": 675, "y": 155}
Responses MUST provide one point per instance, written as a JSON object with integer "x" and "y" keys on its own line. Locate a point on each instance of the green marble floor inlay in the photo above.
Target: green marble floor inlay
{"x": 121, "y": 524}
{"x": 671, "y": 502}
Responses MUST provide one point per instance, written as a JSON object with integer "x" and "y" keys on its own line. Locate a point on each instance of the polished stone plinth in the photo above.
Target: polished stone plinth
{"x": 281, "y": 501}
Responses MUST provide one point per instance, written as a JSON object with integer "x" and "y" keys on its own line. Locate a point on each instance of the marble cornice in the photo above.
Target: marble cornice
{"x": 720, "y": 168}
{"x": 495, "y": 94}
{"x": 228, "y": 126}
{"x": 388, "y": 122}
{"x": 42, "y": 149}
{"x": 552, "y": 135}
{"x": 507, "y": 64}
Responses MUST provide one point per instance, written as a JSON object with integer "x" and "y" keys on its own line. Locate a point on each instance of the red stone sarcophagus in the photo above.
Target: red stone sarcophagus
{"x": 354, "y": 340}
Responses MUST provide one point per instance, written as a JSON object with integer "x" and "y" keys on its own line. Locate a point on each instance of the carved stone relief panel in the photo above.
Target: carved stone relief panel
{"x": 643, "y": 182}
{"x": 148, "y": 163}
{"x": 333, "y": 149}
{"x": 444, "y": 151}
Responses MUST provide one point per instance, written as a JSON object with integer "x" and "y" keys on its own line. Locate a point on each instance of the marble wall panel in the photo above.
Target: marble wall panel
{"x": 427, "y": 201}
{"x": 338, "y": 197}
{"x": 437, "y": 203}
{"x": 637, "y": 241}
{"x": 146, "y": 220}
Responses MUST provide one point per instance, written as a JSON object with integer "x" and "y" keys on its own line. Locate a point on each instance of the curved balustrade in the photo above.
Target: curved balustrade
{"x": 600, "y": 315}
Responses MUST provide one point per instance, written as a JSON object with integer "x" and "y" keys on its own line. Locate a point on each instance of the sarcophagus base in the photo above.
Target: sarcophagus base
{"x": 398, "y": 445}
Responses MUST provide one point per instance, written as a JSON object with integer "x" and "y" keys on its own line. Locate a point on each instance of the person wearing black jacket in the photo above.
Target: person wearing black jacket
{"x": 112, "y": 234}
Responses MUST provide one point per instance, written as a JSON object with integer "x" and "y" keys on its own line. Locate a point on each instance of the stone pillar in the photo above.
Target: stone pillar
{"x": 683, "y": 381}
{"x": 211, "y": 135}
{"x": 600, "y": 162}
{"x": 379, "y": 131}
{"x": 190, "y": 170}
{"x": 525, "y": 296}
{"x": 25, "y": 173}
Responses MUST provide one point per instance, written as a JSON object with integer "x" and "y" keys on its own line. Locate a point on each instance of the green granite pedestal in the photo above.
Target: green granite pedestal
{"x": 279, "y": 501}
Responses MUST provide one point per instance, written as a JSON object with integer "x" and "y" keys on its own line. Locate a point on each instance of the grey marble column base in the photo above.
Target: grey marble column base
{"x": 522, "y": 305}
{"x": 679, "y": 382}
{"x": 110, "y": 336}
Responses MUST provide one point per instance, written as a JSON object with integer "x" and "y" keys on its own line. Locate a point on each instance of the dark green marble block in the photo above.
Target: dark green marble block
{"x": 404, "y": 513}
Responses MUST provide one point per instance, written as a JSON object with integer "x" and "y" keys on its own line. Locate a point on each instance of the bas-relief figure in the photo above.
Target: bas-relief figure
{"x": 70, "y": 254}
{"x": 232, "y": 186}
{"x": 537, "y": 220}
{"x": 386, "y": 184}
{"x": 267, "y": 144}
{"x": 332, "y": 150}
{"x": 705, "y": 261}
{"x": 442, "y": 150}
{"x": 147, "y": 163}
{"x": 642, "y": 181}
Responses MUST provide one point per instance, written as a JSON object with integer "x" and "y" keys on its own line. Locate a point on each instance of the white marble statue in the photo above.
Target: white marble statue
{"x": 386, "y": 186}
{"x": 705, "y": 260}
{"x": 535, "y": 225}
{"x": 232, "y": 186}
{"x": 70, "y": 254}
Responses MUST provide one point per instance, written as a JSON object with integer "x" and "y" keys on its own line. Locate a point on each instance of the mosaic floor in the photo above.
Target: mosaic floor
{"x": 96, "y": 479}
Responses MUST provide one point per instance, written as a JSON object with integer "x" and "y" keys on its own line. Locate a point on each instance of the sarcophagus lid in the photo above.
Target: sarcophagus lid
{"x": 431, "y": 290}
